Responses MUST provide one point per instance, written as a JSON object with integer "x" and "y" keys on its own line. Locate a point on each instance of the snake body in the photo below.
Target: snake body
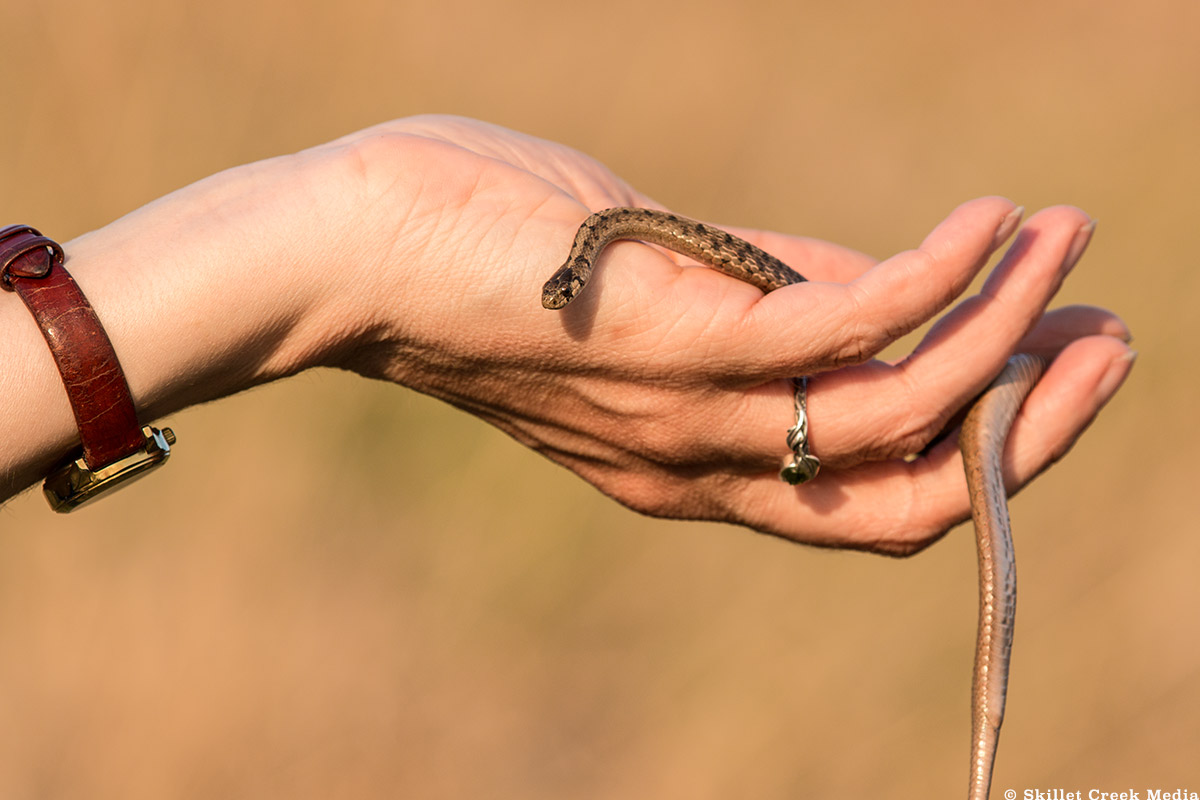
{"x": 708, "y": 245}
{"x": 982, "y": 443}
{"x": 981, "y": 440}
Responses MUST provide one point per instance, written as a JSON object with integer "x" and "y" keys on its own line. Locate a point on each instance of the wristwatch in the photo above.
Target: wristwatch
{"x": 114, "y": 447}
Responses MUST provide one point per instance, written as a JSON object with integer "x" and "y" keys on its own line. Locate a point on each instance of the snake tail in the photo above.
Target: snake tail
{"x": 984, "y": 432}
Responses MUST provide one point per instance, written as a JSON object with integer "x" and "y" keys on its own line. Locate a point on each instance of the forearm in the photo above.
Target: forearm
{"x": 205, "y": 292}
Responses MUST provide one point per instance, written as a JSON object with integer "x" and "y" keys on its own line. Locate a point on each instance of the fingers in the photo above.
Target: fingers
{"x": 877, "y": 411}
{"x": 897, "y": 507}
{"x": 960, "y": 355}
{"x": 1058, "y": 328}
{"x": 814, "y": 327}
{"x": 1077, "y": 385}
{"x": 744, "y": 432}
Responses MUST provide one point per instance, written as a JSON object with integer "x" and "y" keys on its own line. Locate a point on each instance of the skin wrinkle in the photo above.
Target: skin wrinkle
{"x": 858, "y": 346}
{"x": 919, "y": 425}
{"x": 890, "y": 334}
{"x": 756, "y": 460}
{"x": 651, "y": 340}
{"x": 632, "y": 406}
{"x": 657, "y": 444}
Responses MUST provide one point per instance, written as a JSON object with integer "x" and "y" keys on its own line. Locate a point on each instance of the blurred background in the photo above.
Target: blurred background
{"x": 343, "y": 589}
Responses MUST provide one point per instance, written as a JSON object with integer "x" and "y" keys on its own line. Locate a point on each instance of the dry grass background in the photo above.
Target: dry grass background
{"x": 341, "y": 589}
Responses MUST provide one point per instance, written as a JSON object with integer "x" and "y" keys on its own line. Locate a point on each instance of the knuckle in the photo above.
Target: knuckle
{"x": 855, "y": 345}
{"x": 866, "y": 334}
{"x": 654, "y": 493}
{"x": 853, "y": 351}
{"x": 641, "y": 494}
{"x": 913, "y": 424}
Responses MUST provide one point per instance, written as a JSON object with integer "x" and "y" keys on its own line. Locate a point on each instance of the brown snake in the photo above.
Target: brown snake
{"x": 982, "y": 440}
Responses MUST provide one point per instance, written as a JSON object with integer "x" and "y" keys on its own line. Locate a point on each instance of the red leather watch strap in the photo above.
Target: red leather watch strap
{"x": 32, "y": 266}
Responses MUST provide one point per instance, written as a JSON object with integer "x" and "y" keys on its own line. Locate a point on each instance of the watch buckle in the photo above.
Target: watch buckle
{"x": 75, "y": 484}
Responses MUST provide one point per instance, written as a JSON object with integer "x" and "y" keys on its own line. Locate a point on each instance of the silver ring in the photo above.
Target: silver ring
{"x": 803, "y": 465}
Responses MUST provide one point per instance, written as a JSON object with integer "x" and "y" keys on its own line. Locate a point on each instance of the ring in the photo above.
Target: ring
{"x": 803, "y": 466}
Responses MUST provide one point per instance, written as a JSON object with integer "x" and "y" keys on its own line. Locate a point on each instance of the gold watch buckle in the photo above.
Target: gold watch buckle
{"x": 75, "y": 484}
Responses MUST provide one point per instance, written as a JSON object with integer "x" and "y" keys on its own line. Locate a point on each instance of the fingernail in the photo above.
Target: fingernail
{"x": 1118, "y": 370}
{"x": 1078, "y": 245}
{"x": 1007, "y": 226}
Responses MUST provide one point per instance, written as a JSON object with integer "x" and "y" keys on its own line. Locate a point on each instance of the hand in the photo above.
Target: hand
{"x": 666, "y": 386}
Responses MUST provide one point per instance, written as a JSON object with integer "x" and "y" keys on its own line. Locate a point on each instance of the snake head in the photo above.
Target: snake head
{"x": 560, "y": 289}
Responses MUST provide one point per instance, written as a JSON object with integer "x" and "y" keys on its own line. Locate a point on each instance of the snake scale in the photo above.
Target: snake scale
{"x": 981, "y": 440}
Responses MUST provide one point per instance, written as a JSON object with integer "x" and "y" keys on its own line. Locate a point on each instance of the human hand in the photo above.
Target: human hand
{"x": 666, "y": 386}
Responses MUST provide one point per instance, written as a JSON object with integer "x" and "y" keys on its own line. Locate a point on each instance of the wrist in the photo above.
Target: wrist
{"x": 215, "y": 288}
{"x": 220, "y": 286}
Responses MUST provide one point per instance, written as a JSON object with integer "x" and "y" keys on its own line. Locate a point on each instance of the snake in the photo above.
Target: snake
{"x": 981, "y": 439}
